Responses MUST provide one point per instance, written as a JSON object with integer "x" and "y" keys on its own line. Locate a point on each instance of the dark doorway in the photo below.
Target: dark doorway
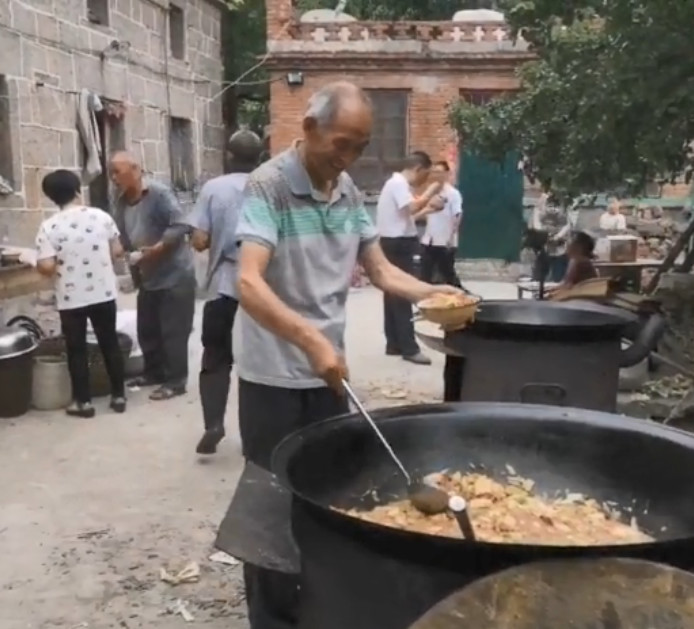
{"x": 112, "y": 139}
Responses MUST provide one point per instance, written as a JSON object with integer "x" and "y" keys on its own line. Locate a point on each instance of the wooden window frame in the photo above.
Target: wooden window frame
{"x": 378, "y": 159}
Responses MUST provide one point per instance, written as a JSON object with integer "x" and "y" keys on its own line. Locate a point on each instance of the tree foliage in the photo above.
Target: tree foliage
{"x": 607, "y": 105}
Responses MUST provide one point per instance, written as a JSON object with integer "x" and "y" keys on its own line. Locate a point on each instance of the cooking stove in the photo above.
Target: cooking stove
{"x": 544, "y": 353}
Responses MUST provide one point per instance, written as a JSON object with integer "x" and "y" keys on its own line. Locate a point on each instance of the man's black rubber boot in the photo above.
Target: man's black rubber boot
{"x": 214, "y": 393}
{"x": 210, "y": 440}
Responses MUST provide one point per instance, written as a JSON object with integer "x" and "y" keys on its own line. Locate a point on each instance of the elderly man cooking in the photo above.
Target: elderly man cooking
{"x": 303, "y": 228}
{"x": 152, "y": 229}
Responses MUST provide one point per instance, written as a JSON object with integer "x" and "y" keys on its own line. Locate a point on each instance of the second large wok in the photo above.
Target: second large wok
{"x": 646, "y": 469}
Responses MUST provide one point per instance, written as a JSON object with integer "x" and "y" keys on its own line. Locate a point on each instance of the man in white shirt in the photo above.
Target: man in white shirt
{"x": 440, "y": 237}
{"x": 398, "y": 208}
{"x": 612, "y": 220}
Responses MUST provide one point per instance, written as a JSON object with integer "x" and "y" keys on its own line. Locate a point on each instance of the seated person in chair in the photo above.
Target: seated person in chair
{"x": 581, "y": 267}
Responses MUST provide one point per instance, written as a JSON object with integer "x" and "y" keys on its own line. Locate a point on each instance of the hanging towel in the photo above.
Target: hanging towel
{"x": 89, "y": 132}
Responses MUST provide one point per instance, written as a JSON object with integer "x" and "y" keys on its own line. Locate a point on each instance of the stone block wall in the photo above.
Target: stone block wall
{"x": 50, "y": 51}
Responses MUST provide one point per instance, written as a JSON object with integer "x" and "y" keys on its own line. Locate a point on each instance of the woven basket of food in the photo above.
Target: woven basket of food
{"x": 449, "y": 311}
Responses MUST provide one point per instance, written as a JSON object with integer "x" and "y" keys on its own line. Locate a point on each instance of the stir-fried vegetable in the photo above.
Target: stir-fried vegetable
{"x": 511, "y": 512}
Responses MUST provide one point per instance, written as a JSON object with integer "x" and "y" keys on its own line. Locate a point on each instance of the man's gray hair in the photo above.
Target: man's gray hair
{"x": 324, "y": 105}
{"x": 245, "y": 148}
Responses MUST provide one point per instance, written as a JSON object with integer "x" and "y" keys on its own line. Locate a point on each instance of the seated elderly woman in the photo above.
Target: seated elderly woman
{"x": 581, "y": 267}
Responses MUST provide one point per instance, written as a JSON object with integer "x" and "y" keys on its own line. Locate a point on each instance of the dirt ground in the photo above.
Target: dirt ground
{"x": 92, "y": 510}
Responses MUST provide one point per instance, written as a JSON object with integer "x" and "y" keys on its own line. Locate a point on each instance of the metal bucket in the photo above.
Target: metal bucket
{"x": 51, "y": 387}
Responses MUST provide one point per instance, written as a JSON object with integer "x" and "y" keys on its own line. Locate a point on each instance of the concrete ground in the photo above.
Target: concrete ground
{"x": 92, "y": 510}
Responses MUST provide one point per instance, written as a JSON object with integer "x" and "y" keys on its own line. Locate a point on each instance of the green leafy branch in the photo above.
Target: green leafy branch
{"x": 608, "y": 104}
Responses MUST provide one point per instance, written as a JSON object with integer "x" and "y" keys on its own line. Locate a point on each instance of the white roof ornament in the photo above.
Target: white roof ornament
{"x": 326, "y": 16}
{"x": 478, "y": 16}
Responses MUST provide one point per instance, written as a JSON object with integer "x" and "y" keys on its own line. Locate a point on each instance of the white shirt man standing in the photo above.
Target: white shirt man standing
{"x": 398, "y": 209}
{"x": 440, "y": 239}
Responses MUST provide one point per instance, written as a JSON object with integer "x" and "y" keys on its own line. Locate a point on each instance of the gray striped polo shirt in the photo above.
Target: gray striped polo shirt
{"x": 315, "y": 243}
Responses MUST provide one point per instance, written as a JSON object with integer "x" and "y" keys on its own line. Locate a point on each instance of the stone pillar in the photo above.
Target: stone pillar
{"x": 279, "y": 14}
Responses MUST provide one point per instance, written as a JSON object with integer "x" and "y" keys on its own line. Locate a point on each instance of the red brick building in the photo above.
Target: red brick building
{"x": 412, "y": 71}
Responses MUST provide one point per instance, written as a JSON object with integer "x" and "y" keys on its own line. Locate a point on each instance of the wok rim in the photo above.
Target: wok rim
{"x": 595, "y": 321}
{"x": 292, "y": 443}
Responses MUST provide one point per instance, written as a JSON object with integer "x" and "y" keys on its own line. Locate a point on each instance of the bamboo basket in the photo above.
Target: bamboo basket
{"x": 450, "y": 317}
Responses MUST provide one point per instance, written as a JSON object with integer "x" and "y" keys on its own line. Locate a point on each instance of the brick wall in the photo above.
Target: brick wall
{"x": 49, "y": 51}
{"x": 431, "y": 94}
{"x": 279, "y": 14}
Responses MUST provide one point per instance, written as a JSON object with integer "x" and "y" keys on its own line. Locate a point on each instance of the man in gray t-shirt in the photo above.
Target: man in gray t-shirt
{"x": 303, "y": 228}
{"x": 214, "y": 222}
{"x": 153, "y": 231}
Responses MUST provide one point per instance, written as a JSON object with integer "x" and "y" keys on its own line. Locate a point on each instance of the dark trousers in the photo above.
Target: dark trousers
{"x": 164, "y": 323}
{"x": 438, "y": 265}
{"x": 74, "y": 327}
{"x": 453, "y": 373}
{"x": 397, "y": 312}
{"x": 267, "y": 415}
{"x": 217, "y": 359}
{"x": 556, "y": 268}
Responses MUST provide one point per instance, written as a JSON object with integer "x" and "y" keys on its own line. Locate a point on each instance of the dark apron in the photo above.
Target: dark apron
{"x": 257, "y": 525}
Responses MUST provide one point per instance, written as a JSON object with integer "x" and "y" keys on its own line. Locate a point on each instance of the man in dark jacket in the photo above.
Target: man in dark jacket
{"x": 153, "y": 231}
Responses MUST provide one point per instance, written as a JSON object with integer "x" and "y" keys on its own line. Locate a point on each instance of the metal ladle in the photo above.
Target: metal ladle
{"x": 425, "y": 498}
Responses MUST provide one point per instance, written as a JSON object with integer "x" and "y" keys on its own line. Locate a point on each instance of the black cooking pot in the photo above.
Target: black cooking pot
{"x": 358, "y": 574}
{"x": 17, "y": 347}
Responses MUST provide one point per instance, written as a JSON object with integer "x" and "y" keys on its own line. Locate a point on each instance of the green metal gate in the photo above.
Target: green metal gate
{"x": 492, "y": 225}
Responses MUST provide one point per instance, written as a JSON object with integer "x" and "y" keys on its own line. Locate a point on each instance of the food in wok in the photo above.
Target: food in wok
{"x": 445, "y": 301}
{"x": 512, "y": 513}
{"x": 451, "y": 311}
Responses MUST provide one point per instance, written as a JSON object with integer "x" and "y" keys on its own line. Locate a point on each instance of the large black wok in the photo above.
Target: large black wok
{"x": 565, "y": 321}
{"x": 357, "y": 574}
